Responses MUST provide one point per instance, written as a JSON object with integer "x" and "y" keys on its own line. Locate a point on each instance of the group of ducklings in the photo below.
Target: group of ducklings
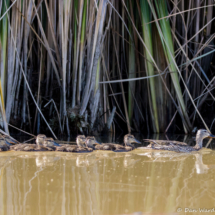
{"x": 84, "y": 144}
{"x": 88, "y": 144}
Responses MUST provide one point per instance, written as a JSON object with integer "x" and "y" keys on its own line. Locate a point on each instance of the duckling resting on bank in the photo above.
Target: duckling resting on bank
{"x": 176, "y": 146}
{"x": 128, "y": 140}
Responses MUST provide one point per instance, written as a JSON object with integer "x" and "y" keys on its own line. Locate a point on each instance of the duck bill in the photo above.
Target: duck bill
{"x": 56, "y": 144}
{"x": 136, "y": 141}
{"x": 211, "y": 136}
{"x": 9, "y": 144}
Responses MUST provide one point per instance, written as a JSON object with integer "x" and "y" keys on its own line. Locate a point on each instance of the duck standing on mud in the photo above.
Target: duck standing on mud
{"x": 176, "y": 146}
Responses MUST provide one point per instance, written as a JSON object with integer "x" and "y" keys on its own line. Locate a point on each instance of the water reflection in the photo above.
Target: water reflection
{"x": 166, "y": 156}
{"x": 105, "y": 182}
{"x": 130, "y": 160}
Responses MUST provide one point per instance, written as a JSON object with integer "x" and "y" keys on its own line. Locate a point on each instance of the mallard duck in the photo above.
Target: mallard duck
{"x": 79, "y": 148}
{"x": 39, "y": 146}
{"x": 80, "y": 140}
{"x": 40, "y": 139}
{"x": 176, "y": 146}
{"x": 128, "y": 140}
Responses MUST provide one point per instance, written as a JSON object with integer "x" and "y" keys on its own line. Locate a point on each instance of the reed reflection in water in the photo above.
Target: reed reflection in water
{"x": 105, "y": 182}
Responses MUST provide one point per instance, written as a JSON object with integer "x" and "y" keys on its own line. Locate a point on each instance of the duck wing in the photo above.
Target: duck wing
{"x": 105, "y": 146}
{"x": 124, "y": 149}
{"x": 165, "y": 142}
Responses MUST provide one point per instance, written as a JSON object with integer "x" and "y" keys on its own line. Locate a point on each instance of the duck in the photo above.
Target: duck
{"x": 39, "y": 146}
{"x": 81, "y": 147}
{"x": 177, "y": 146}
{"x": 40, "y": 139}
{"x": 92, "y": 143}
{"x": 80, "y": 141}
{"x": 128, "y": 140}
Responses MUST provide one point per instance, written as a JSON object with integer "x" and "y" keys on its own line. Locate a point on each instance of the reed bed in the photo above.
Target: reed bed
{"x": 88, "y": 66}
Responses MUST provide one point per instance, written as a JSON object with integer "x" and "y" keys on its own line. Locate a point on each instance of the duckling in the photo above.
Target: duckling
{"x": 176, "y": 146}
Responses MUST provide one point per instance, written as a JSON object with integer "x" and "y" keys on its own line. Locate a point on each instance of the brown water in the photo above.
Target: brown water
{"x": 106, "y": 182}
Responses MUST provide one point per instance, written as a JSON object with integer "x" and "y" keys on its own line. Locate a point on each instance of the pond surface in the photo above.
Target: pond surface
{"x": 104, "y": 183}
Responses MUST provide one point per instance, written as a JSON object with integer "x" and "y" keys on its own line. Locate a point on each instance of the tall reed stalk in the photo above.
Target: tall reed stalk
{"x": 139, "y": 59}
{"x": 147, "y": 36}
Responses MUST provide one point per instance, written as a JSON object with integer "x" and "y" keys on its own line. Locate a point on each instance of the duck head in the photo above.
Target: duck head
{"x": 80, "y": 140}
{"x": 40, "y": 139}
{"x": 91, "y": 141}
{"x": 200, "y": 135}
{"x": 129, "y": 139}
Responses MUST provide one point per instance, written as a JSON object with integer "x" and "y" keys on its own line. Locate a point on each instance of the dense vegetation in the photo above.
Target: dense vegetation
{"x": 94, "y": 65}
